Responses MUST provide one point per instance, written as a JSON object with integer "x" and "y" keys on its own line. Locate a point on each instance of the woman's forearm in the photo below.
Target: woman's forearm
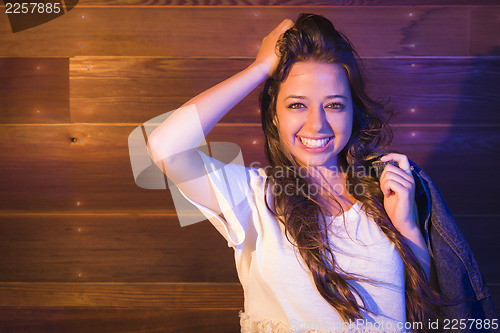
{"x": 185, "y": 129}
{"x": 416, "y": 241}
{"x": 215, "y": 102}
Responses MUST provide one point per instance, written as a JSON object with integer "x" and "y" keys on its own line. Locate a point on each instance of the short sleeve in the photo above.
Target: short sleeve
{"x": 231, "y": 186}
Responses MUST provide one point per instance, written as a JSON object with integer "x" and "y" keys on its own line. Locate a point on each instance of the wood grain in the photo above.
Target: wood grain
{"x": 118, "y": 248}
{"x": 484, "y": 39}
{"x": 117, "y": 320}
{"x": 132, "y": 89}
{"x": 120, "y": 295}
{"x": 207, "y": 31}
{"x": 128, "y": 89}
{"x": 34, "y": 90}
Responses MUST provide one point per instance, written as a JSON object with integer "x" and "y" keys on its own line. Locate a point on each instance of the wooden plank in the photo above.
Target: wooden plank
{"x": 481, "y": 233}
{"x": 93, "y": 174}
{"x": 437, "y": 90}
{"x": 122, "y": 295}
{"x": 152, "y": 249}
{"x": 116, "y": 320}
{"x": 118, "y": 248}
{"x": 206, "y": 32}
{"x": 34, "y": 90}
{"x": 484, "y": 37}
{"x": 42, "y": 320}
{"x": 104, "y": 89}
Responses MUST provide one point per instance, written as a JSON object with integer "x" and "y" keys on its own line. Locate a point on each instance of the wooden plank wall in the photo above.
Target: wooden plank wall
{"x": 84, "y": 249}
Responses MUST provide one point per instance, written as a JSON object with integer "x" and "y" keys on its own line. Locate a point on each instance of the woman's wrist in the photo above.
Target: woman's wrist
{"x": 262, "y": 69}
{"x": 409, "y": 226}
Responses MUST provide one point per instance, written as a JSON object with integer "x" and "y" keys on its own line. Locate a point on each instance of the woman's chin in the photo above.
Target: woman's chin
{"x": 319, "y": 162}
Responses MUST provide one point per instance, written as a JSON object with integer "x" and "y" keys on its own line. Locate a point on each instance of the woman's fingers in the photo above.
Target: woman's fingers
{"x": 392, "y": 169}
{"x": 402, "y": 160}
{"x": 283, "y": 26}
{"x": 399, "y": 179}
{"x": 286, "y": 23}
{"x": 267, "y": 56}
{"x": 395, "y": 182}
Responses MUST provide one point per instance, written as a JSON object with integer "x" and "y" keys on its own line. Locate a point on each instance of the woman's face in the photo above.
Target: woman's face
{"x": 315, "y": 113}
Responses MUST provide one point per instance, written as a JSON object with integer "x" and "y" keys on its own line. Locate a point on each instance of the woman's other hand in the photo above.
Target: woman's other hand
{"x": 267, "y": 58}
{"x": 398, "y": 186}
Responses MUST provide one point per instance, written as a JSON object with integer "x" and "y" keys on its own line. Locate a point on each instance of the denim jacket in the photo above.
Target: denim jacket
{"x": 455, "y": 272}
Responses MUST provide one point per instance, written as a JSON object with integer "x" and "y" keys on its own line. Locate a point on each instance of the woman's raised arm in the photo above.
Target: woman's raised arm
{"x": 173, "y": 144}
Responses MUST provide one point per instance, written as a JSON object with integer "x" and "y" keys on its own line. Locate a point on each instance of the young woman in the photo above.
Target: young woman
{"x": 319, "y": 240}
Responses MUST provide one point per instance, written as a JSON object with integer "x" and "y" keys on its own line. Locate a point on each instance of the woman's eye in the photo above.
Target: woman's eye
{"x": 337, "y": 106}
{"x": 295, "y": 105}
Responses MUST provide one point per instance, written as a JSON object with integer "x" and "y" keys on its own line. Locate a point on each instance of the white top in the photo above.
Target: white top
{"x": 280, "y": 294}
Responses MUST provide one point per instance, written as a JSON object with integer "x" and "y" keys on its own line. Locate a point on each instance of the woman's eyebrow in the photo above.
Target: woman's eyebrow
{"x": 326, "y": 97}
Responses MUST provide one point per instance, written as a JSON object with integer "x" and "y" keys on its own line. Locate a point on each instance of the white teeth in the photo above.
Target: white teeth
{"x": 311, "y": 143}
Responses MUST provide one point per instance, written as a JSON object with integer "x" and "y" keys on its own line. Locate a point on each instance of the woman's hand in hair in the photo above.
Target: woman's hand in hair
{"x": 398, "y": 186}
{"x": 267, "y": 57}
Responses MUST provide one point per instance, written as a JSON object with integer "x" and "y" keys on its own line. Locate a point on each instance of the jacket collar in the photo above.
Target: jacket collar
{"x": 422, "y": 200}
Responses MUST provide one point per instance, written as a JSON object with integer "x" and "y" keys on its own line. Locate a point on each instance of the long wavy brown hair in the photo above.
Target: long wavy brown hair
{"x": 313, "y": 37}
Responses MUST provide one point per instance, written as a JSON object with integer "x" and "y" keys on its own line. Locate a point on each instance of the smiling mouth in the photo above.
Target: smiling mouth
{"x": 313, "y": 143}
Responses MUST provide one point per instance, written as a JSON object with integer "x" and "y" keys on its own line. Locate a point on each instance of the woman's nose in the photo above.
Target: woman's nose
{"x": 316, "y": 118}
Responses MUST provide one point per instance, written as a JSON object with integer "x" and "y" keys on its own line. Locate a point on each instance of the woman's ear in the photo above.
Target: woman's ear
{"x": 275, "y": 121}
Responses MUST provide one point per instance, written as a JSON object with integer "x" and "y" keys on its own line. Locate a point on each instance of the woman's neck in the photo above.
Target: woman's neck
{"x": 332, "y": 183}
